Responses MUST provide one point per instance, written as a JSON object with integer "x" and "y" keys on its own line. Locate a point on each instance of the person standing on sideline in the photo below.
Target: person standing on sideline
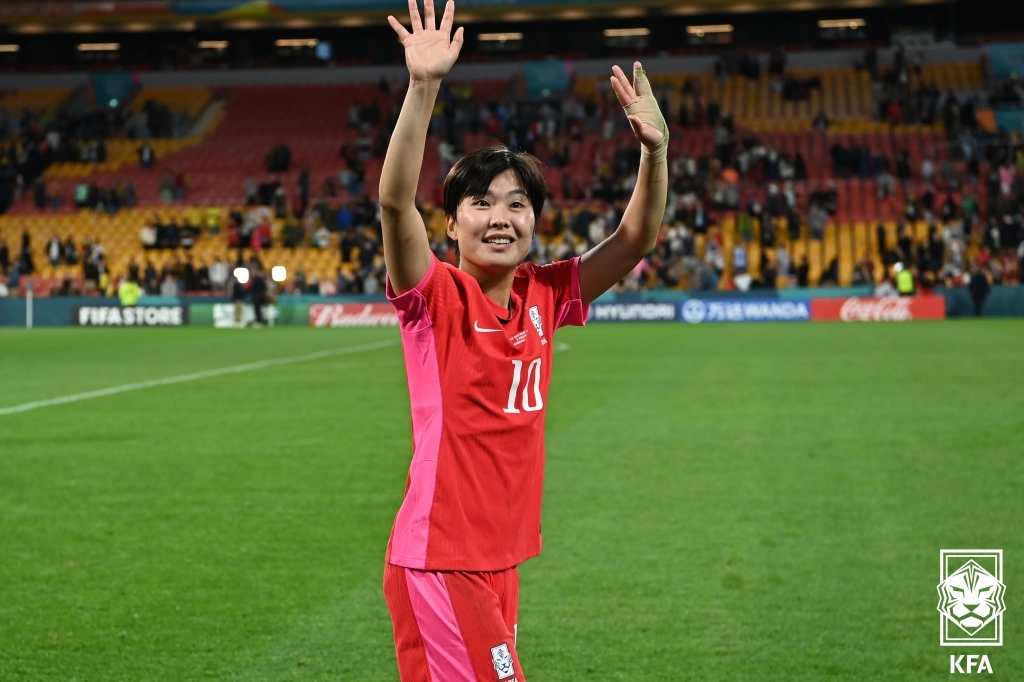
{"x": 237, "y": 299}
{"x": 258, "y": 292}
{"x": 129, "y": 291}
{"x": 477, "y": 339}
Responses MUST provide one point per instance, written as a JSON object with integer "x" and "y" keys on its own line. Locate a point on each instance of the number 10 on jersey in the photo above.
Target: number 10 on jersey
{"x": 531, "y": 385}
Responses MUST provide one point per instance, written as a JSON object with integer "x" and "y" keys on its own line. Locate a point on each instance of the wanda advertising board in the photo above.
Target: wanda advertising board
{"x": 856, "y": 309}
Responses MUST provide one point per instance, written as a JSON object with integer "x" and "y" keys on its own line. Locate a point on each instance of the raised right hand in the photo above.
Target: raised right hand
{"x": 429, "y": 52}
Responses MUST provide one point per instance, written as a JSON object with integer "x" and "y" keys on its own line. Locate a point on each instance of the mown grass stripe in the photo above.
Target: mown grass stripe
{"x": 194, "y": 376}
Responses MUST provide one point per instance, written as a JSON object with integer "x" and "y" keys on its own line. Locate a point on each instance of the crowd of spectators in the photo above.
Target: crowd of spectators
{"x": 25, "y": 261}
{"x": 744, "y": 178}
{"x": 968, "y": 196}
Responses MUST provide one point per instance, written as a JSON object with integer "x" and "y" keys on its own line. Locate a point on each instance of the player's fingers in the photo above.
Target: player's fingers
{"x": 457, "y": 41}
{"x": 641, "y": 86}
{"x": 428, "y": 15}
{"x": 447, "y": 18}
{"x": 414, "y": 17}
{"x": 617, "y": 89}
{"x": 624, "y": 83}
{"x": 399, "y": 29}
{"x": 620, "y": 92}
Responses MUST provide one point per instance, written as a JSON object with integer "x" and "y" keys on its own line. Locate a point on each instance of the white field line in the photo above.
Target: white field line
{"x": 25, "y": 407}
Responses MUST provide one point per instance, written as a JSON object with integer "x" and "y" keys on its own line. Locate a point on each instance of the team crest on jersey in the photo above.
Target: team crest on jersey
{"x": 537, "y": 323}
{"x": 502, "y": 660}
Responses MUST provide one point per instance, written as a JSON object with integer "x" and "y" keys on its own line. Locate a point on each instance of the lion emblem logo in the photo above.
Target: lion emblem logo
{"x": 971, "y": 597}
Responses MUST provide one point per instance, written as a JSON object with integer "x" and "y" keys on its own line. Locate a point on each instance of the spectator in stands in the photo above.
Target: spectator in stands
{"x": 803, "y": 273}
{"x": 903, "y": 171}
{"x": 129, "y": 292}
{"x": 26, "y": 262}
{"x": 169, "y": 286}
{"x": 39, "y": 193}
{"x": 817, "y": 219}
{"x": 53, "y": 250}
{"x": 250, "y": 189}
{"x": 321, "y": 239}
{"x": 150, "y": 278}
{"x": 167, "y": 188}
{"x": 927, "y": 170}
{"x": 146, "y": 155}
{"x": 905, "y": 285}
{"x": 218, "y": 274}
{"x": 5, "y": 257}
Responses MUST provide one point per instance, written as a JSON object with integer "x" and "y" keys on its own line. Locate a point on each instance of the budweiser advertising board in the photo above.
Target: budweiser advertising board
{"x": 902, "y": 309}
{"x": 352, "y": 315}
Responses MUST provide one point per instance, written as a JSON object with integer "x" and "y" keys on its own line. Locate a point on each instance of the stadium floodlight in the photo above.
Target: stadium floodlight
{"x": 701, "y": 31}
{"x": 499, "y": 37}
{"x": 278, "y": 273}
{"x": 626, "y": 32}
{"x": 9, "y": 48}
{"x": 296, "y": 42}
{"x": 213, "y": 44}
{"x": 852, "y": 24}
{"x": 99, "y": 47}
{"x": 242, "y": 275}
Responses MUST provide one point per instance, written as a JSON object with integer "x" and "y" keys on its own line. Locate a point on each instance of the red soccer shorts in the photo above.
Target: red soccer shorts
{"x": 454, "y": 626}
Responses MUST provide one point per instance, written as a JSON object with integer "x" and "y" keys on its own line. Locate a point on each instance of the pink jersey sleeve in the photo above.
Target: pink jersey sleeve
{"x": 564, "y": 279}
{"x": 412, "y": 527}
{"x": 412, "y": 305}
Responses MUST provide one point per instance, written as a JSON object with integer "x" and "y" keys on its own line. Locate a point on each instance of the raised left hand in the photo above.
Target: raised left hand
{"x": 642, "y": 109}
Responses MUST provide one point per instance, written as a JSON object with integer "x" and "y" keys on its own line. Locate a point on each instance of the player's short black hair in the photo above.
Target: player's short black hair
{"x": 471, "y": 176}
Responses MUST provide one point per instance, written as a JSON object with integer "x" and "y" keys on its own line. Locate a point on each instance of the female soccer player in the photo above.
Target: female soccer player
{"x": 477, "y": 344}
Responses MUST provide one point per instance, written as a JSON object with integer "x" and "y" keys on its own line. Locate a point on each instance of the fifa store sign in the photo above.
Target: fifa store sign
{"x": 131, "y": 316}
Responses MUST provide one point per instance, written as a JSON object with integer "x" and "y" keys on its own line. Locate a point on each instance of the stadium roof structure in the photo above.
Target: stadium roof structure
{"x": 143, "y": 15}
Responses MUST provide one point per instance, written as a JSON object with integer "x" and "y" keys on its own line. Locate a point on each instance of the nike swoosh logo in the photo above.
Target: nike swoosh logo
{"x": 476, "y": 326}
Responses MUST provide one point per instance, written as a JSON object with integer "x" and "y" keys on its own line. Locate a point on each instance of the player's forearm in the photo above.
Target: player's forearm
{"x": 642, "y": 218}
{"x": 401, "y": 171}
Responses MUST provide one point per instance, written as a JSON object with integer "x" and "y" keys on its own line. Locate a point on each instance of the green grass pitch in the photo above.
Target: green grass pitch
{"x": 747, "y": 502}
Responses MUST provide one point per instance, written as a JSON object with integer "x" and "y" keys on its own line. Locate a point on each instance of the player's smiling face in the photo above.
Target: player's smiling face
{"x": 494, "y": 231}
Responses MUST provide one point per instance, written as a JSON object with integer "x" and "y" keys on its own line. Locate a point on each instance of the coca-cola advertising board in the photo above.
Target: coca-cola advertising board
{"x": 893, "y": 309}
{"x": 352, "y": 315}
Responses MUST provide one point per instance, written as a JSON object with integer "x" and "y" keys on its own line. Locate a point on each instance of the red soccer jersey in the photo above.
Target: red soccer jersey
{"x": 478, "y": 388}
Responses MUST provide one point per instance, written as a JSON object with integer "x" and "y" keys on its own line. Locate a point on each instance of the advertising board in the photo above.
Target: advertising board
{"x": 131, "y": 316}
{"x": 632, "y": 312}
{"x": 697, "y": 311}
{"x": 892, "y": 309}
{"x": 224, "y": 315}
{"x": 352, "y": 315}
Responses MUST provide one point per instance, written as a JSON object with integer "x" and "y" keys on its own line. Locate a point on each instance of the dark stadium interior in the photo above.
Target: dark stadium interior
{"x": 372, "y": 42}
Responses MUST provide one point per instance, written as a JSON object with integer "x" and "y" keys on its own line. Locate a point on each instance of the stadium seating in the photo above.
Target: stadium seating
{"x": 44, "y": 102}
{"x": 313, "y": 122}
{"x": 190, "y": 100}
